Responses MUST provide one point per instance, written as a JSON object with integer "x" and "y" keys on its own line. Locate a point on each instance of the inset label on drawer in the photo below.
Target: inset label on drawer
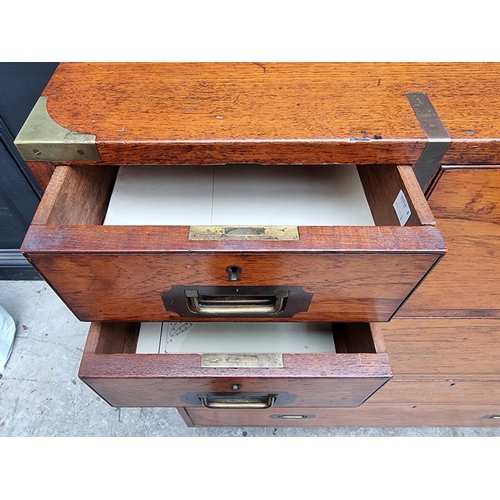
{"x": 280, "y": 233}
{"x": 402, "y": 208}
{"x": 225, "y": 360}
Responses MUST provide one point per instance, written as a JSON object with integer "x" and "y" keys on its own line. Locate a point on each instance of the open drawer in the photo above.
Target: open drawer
{"x": 254, "y": 366}
{"x": 234, "y": 242}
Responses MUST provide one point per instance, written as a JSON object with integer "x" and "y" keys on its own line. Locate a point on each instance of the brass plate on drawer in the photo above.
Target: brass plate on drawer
{"x": 293, "y": 416}
{"x": 241, "y": 360}
{"x": 278, "y": 233}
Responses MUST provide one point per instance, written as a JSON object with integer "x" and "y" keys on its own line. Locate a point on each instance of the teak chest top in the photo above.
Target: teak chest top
{"x": 210, "y": 113}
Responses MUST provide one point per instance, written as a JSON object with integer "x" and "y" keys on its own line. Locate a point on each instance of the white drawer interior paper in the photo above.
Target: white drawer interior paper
{"x": 241, "y": 195}
{"x": 235, "y": 338}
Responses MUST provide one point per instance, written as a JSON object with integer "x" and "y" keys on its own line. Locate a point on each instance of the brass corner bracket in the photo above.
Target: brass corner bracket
{"x": 42, "y": 139}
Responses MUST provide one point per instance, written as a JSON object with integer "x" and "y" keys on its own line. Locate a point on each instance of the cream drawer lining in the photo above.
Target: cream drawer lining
{"x": 297, "y": 195}
{"x": 235, "y": 338}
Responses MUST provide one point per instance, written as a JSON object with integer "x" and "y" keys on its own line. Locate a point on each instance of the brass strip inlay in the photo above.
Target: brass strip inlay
{"x": 231, "y": 233}
{"x": 439, "y": 139}
{"x": 241, "y": 360}
{"x": 42, "y": 139}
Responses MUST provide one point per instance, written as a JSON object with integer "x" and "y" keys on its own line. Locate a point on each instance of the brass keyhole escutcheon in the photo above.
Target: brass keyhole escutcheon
{"x": 233, "y": 273}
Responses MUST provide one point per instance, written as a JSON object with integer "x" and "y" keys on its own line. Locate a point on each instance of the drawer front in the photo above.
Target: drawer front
{"x": 368, "y": 415}
{"x": 141, "y": 287}
{"x": 154, "y": 273}
{"x": 345, "y": 378}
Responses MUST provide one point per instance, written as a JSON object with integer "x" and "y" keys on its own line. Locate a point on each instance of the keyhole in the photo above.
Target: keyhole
{"x": 233, "y": 273}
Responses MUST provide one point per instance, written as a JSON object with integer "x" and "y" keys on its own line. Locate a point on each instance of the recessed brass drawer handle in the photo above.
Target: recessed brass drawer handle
{"x": 270, "y": 301}
{"x": 240, "y": 306}
{"x": 293, "y": 416}
{"x": 240, "y": 403}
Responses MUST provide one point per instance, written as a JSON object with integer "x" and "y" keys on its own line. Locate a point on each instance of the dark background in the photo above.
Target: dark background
{"x": 21, "y": 83}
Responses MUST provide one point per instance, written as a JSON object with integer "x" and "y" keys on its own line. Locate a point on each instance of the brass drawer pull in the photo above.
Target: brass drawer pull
{"x": 236, "y": 301}
{"x": 239, "y": 306}
{"x": 293, "y": 416}
{"x": 240, "y": 403}
{"x": 239, "y": 400}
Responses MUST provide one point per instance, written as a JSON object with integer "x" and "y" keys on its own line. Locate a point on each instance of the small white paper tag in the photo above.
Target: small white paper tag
{"x": 402, "y": 208}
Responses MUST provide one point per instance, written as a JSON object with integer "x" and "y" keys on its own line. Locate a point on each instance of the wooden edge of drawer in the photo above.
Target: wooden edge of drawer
{"x": 357, "y": 240}
{"x": 390, "y": 181}
{"x": 110, "y": 352}
{"x": 417, "y": 196}
{"x": 76, "y": 195}
{"x": 167, "y": 366}
{"x": 378, "y": 337}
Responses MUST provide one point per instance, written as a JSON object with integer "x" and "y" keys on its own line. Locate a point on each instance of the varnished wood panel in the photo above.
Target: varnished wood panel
{"x": 143, "y": 391}
{"x": 275, "y": 113}
{"x": 454, "y": 391}
{"x": 466, "y": 204}
{"x": 128, "y": 286}
{"x": 468, "y": 193}
{"x": 367, "y": 415}
{"x": 443, "y": 349}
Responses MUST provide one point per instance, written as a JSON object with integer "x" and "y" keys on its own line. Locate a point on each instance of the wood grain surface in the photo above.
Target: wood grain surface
{"x": 466, "y": 283}
{"x": 454, "y": 391}
{"x": 210, "y": 113}
{"x": 444, "y": 349}
{"x": 136, "y": 390}
{"x": 128, "y": 286}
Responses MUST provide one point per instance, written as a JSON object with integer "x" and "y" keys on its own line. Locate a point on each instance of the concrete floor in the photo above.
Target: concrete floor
{"x": 40, "y": 394}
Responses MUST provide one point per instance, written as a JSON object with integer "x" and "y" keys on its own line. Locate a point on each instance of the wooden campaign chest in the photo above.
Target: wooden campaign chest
{"x": 245, "y": 236}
